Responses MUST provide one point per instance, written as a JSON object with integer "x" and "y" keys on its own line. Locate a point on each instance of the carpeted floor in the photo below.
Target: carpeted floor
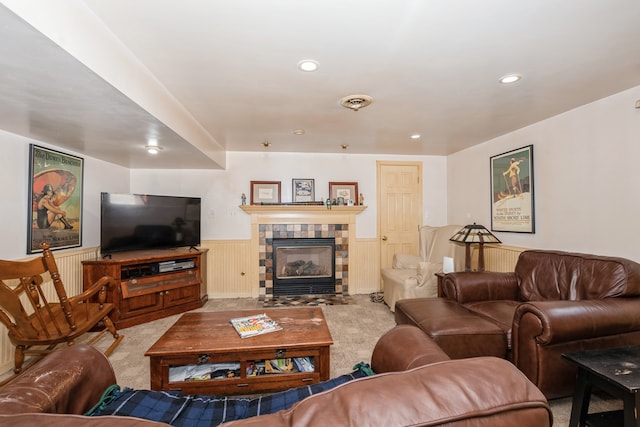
{"x": 355, "y": 328}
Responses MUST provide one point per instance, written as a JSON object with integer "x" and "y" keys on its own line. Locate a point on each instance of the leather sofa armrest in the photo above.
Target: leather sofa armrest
{"x": 70, "y": 380}
{"x": 67, "y": 420}
{"x": 465, "y": 287}
{"x": 550, "y": 322}
{"x": 468, "y": 392}
{"x": 405, "y": 347}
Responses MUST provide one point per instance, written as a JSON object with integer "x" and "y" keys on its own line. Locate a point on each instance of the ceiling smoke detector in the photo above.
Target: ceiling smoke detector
{"x": 356, "y": 102}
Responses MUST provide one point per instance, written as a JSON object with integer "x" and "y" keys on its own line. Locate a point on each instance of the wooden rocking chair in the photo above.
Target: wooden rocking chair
{"x": 32, "y": 321}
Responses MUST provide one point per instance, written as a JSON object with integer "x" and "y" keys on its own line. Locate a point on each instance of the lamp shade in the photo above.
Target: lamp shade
{"x": 474, "y": 233}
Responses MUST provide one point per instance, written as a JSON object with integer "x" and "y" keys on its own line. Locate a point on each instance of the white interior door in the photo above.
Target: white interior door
{"x": 399, "y": 208}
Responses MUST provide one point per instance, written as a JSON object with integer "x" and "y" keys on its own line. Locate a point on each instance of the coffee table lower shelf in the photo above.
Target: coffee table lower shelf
{"x": 240, "y": 382}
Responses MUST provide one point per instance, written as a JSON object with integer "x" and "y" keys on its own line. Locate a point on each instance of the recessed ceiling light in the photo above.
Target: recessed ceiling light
{"x": 344, "y": 146}
{"x": 510, "y": 78}
{"x": 308, "y": 65}
{"x": 153, "y": 149}
{"x": 298, "y": 132}
{"x": 415, "y": 136}
{"x": 266, "y": 144}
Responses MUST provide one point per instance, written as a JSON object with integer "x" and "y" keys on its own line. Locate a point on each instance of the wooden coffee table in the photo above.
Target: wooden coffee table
{"x": 205, "y": 346}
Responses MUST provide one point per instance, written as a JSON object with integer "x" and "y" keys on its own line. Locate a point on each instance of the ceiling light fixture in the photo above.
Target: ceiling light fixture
{"x": 344, "y": 146}
{"x": 415, "y": 136}
{"x": 308, "y": 65}
{"x": 510, "y": 78}
{"x": 298, "y": 132}
{"x": 266, "y": 144}
{"x": 153, "y": 149}
{"x": 356, "y": 102}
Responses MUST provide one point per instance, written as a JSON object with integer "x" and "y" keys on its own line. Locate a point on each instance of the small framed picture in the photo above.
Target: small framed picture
{"x": 345, "y": 191}
{"x": 303, "y": 190}
{"x": 265, "y": 192}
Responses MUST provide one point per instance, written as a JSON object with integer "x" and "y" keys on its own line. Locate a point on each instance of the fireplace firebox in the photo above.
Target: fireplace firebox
{"x": 304, "y": 266}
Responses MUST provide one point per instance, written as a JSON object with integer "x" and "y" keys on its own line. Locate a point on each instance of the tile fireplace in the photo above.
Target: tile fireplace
{"x": 302, "y": 259}
{"x": 303, "y": 266}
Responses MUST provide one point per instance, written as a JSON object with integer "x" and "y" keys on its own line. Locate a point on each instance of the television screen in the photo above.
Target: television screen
{"x": 131, "y": 222}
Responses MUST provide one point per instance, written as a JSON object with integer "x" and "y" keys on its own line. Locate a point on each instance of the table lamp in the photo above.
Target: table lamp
{"x": 470, "y": 234}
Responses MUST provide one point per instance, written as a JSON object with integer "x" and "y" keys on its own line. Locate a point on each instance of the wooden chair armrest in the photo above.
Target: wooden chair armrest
{"x": 100, "y": 285}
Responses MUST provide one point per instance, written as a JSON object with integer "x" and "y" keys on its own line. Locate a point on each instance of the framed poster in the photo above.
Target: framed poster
{"x": 345, "y": 192}
{"x": 55, "y": 199}
{"x": 303, "y": 190}
{"x": 265, "y": 192}
{"x": 512, "y": 202}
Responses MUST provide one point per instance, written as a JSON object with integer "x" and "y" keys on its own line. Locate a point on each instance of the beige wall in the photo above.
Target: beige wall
{"x": 586, "y": 196}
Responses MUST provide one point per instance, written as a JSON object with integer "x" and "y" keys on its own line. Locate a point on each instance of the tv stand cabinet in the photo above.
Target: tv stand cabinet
{"x": 151, "y": 284}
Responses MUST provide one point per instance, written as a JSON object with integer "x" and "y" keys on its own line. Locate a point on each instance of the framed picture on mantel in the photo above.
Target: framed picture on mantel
{"x": 267, "y": 192}
{"x": 303, "y": 190}
{"x": 344, "y": 193}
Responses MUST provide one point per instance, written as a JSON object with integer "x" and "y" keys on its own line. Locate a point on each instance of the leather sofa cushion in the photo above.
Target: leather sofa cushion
{"x": 499, "y": 312}
{"x": 458, "y": 331}
{"x": 554, "y": 275}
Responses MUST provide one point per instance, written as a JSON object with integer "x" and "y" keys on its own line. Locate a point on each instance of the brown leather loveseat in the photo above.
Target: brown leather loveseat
{"x": 417, "y": 385}
{"x": 554, "y": 303}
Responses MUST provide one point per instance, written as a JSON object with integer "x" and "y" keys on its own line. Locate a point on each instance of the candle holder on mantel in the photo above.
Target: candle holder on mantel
{"x": 470, "y": 234}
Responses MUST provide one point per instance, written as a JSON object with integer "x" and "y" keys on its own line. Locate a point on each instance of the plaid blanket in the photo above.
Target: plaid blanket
{"x": 182, "y": 410}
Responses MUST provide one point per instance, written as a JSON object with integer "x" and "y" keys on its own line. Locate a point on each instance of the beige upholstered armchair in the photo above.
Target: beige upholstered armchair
{"x": 413, "y": 275}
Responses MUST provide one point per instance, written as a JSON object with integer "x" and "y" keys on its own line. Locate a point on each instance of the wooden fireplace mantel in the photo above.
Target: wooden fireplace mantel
{"x": 264, "y": 214}
{"x": 263, "y": 209}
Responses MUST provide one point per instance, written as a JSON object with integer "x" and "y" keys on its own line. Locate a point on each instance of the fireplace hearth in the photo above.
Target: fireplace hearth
{"x": 303, "y": 266}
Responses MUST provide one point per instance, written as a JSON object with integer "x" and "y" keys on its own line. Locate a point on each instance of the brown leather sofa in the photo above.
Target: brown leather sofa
{"x": 418, "y": 385}
{"x": 554, "y": 303}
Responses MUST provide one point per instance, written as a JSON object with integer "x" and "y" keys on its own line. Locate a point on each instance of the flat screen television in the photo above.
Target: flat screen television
{"x": 132, "y": 222}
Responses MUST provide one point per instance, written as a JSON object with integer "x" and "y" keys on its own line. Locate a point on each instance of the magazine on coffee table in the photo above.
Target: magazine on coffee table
{"x": 253, "y": 325}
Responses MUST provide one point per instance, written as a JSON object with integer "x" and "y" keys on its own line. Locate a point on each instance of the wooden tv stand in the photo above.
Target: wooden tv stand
{"x": 151, "y": 284}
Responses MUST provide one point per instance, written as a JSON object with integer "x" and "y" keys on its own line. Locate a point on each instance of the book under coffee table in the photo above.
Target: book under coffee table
{"x": 203, "y": 354}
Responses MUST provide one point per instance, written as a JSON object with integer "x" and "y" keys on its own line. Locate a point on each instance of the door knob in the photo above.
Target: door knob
{"x": 384, "y": 238}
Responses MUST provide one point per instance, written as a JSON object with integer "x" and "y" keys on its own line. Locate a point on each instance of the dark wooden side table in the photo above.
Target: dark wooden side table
{"x": 440, "y": 277}
{"x": 613, "y": 370}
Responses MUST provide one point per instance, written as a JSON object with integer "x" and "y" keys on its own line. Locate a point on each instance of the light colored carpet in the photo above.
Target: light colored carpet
{"x": 355, "y": 329}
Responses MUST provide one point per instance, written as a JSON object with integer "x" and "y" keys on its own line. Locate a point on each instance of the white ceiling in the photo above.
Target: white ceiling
{"x": 229, "y": 70}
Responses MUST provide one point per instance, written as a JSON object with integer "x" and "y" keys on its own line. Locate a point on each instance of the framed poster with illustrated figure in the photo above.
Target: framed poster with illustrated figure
{"x": 512, "y": 202}
{"x": 55, "y": 199}
{"x": 303, "y": 190}
{"x": 345, "y": 192}
{"x": 265, "y": 192}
